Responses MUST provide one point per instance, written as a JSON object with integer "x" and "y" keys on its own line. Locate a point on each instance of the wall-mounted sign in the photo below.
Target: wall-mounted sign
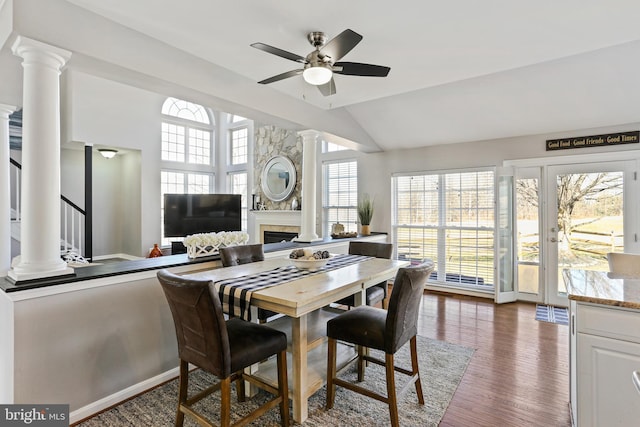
{"x": 632, "y": 137}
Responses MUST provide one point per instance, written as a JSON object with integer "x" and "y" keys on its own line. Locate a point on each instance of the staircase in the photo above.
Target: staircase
{"x": 72, "y": 219}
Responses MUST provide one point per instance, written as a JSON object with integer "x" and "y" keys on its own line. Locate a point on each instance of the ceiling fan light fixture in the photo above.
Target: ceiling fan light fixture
{"x": 317, "y": 75}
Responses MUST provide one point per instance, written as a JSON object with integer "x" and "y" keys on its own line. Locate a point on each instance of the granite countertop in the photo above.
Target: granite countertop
{"x": 598, "y": 288}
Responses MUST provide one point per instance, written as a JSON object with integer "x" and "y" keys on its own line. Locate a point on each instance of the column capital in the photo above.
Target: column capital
{"x": 309, "y": 134}
{"x": 7, "y": 110}
{"x": 35, "y": 51}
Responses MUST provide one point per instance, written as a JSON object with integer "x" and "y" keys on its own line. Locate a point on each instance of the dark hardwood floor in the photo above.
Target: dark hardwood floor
{"x": 519, "y": 373}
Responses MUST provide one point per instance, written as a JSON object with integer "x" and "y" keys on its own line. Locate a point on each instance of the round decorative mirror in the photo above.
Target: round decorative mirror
{"x": 278, "y": 178}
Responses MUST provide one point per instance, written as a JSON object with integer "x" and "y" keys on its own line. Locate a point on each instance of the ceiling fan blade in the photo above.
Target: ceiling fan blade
{"x": 279, "y": 52}
{"x": 341, "y": 44}
{"x": 328, "y": 88}
{"x": 360, "y": 69}
{"x": 281, "y": 76}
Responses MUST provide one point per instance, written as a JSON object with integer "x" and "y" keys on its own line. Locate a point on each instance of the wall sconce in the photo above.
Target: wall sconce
{"x": 107, "y": 153}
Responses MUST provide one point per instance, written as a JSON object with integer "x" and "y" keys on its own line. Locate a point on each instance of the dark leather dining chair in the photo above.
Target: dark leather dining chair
{"x": 385, "y": 330}
{"x": 223, "y": 348}
{"x": 376, "y": 293}
{"x": 244, "y": 254}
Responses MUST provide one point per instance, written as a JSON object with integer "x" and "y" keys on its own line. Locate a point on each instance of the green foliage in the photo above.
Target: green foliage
{"x": 365, "y": 210}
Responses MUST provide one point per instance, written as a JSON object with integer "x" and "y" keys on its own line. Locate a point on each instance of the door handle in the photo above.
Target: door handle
{"x": 636, "y": 380}
{"x": 553, "y": 240}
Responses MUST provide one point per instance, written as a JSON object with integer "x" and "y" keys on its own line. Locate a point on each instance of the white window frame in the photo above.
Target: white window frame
{"x": 438, "y": 252}
{"x": 346, "y": 214}
{"x": 245, "y": 195}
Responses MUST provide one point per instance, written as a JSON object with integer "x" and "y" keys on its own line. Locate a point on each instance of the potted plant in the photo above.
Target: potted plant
{"x": 365, "y": 212}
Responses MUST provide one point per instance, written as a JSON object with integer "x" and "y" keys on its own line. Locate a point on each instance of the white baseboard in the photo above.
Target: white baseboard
{"x": 122, "y": 395}
{"x": 453, "y": 290}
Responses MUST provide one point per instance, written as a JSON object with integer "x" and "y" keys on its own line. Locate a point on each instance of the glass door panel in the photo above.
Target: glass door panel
{"x": 528, "y": 234}
{"x": 586, "y": 220}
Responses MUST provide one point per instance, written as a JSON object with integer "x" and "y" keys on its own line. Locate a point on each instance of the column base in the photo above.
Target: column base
{"x": 26, "y": 273}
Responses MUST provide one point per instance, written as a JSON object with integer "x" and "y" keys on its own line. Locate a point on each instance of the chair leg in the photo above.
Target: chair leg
{"x": 331, "y": 372}
{"x": 283, "y": 387}
{"x": 415, "y": 369}
{"x": 225, "y": 402}
{"x": 240, "y": 389}
{"x": 385, "y": 303}
{"x": 182, "y": 391}
{"x": 391, "y": 390}
{"x": 361, "y": 362}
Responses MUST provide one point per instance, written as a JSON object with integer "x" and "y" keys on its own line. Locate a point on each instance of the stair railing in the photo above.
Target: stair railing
{"x": 15, "y": 177}
{"x": 73, "y": 237}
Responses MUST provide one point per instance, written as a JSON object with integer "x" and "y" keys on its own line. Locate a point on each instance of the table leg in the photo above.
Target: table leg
{"x": 251, "y": 389}
{"x": 299, "y": 358}
{"x": 360, "y": 298}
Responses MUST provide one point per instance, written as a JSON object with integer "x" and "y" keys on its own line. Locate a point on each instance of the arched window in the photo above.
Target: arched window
{"x": 187, "y": 134}
{"x": 185, "y": 110}
{"x": 187, "y": 150}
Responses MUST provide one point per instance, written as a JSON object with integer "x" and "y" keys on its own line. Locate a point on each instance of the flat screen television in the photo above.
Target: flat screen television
{"x": 186, "y": 214}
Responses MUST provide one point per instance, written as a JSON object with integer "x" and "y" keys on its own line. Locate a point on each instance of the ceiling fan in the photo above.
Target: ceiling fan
{"x": 321, "y": 64}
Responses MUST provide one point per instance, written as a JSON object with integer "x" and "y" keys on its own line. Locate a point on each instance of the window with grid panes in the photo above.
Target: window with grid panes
{"x": 238, "y": 185}
{"x": 199, "y": 146}
{"x": 239, "y": 145}
{"x": 340, "y": 195}
{"x": 173, "y": 146}
{"x": 448, "y": 218}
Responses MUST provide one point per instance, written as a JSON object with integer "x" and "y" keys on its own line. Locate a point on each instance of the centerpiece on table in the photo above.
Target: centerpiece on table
{"x": 307, "y": 259}
{"x": 205, "y": 244}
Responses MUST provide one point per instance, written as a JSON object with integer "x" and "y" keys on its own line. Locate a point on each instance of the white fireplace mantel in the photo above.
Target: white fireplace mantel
{"x": 278, "y": 219}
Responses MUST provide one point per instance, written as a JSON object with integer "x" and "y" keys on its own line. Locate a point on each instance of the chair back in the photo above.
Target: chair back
{"x": 242, "y": 254}
{"x": 622, "y": 265}
{"x": 406, "y": 296}
{"x": 200, "y": 326}
{"x": 373, "y": 249}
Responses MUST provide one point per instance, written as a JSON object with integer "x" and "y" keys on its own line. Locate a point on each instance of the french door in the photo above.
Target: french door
{"x": 588, "y": 212}
{"x": 528, "y": 224}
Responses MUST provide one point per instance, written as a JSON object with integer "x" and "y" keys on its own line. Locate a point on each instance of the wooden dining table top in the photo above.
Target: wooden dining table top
{"x": 301, "y": 296}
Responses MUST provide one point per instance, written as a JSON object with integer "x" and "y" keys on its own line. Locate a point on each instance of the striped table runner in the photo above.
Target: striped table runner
{"x": 235, "y": 293}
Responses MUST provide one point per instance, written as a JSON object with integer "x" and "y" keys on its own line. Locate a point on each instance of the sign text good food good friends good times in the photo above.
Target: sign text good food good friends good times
{"x": 632, "y": 137}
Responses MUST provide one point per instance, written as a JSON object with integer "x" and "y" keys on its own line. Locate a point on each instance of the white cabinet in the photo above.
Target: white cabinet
{"x": 605, "y": 351}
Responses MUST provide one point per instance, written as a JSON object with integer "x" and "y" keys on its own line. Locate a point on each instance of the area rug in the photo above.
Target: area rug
{"x": 549, "y": 313}
{"x": 442, "y": 366}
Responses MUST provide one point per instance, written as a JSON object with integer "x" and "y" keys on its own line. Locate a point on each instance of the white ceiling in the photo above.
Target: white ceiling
{"x": 461, "y": 70}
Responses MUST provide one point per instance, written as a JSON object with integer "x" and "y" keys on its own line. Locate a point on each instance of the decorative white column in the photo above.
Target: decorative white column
{"x": 40, "y": 225}
{"x": 5, "y": 191}
{"x": 309, "y": 164}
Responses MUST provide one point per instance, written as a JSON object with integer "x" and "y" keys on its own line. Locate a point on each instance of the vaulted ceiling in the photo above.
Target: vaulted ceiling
{"x": 462, "y": 70}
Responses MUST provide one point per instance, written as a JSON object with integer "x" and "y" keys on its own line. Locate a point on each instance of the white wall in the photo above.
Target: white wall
{"x": 375, "y": 169}
{"x": 126, "y": 189}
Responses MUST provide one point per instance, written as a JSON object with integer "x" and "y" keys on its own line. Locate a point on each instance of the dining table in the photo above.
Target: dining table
{"x": 304, "y": 301}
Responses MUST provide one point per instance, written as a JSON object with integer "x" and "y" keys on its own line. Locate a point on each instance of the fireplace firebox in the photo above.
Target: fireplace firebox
{"x": 278, "y": 236}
